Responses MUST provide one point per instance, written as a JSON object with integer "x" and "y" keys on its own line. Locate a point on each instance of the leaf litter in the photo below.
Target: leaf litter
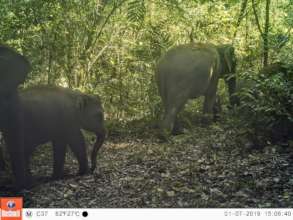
{"x": 206, "y": 167}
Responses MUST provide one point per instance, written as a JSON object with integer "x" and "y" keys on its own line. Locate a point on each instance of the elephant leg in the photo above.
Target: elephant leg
{"x": 13, "y": 136}
{"x": 77, "y": 145}
{"x": 217, "y": 109}
{"x": 209, "y": 102}
{"x": 2, "y": 161}
{"x": 169, "y": 120}
{"x": 177, "y": 129}
{"x": 17, "y": 165}
{"x": 172, "y": 111}
{"x": 27, "y": 160}
{"x": 99, "y": 142}
{"x": 59, "y": 151}
{"x": 210, "y": 97}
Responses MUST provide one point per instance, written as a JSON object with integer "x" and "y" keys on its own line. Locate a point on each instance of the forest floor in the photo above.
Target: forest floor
{"x": 207, "y": 166}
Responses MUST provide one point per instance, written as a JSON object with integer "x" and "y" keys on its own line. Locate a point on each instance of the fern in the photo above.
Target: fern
{"x": 161, "y": 39}
{"x": 136, "y": 11}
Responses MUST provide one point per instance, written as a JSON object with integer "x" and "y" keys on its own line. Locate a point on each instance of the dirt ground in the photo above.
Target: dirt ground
{"x": 210, "y": 166}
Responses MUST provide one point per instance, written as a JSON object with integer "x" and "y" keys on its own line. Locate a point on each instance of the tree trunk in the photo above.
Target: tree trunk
{"x": 266, "y": 35}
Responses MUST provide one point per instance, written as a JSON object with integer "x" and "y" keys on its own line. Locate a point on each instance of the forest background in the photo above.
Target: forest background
{"x": 110, "y": 48}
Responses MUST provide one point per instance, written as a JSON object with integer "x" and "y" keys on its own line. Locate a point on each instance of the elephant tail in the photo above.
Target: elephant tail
{"x": 100, "y": 138}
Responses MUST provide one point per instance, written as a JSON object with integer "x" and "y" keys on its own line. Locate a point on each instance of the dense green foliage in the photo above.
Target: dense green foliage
{"x": 267, "y": 105}
{"x": 111, "y": 47}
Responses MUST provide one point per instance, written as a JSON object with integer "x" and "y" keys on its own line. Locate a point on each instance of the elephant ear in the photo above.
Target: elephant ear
{"x": 229, "y": 56}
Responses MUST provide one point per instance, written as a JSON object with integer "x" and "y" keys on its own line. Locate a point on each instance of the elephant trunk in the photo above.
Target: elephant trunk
{"x": 100, "y": 137}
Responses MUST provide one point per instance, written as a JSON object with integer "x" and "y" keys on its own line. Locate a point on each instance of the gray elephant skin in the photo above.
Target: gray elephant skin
{"x": 14, "y": 68}
{"x": 193, "y": 70}
{"x": 57, "y": 115}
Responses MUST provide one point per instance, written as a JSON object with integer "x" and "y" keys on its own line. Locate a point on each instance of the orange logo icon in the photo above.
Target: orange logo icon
{"x": 11, "y": 208}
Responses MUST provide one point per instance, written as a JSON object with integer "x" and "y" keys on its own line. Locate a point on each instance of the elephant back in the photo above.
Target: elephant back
{"x": 187, "y": 56}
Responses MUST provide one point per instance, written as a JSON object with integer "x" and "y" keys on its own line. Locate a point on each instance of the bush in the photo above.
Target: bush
{"x": 267, "y": 106}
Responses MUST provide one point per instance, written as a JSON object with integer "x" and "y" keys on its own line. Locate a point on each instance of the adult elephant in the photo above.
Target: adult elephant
{"x": 192, "y": 70}
{"x": 13, "y": 70}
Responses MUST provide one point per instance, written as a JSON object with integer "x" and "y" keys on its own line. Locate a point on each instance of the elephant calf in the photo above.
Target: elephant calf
{"x": 58, "y": 114}
{"x": 193, "y": 70}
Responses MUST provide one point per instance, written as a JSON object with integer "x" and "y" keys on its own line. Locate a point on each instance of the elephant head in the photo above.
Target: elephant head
{"x": 91, "y": 118}
{"x": 90, "y": 111}
{"x": 228, "y": 69}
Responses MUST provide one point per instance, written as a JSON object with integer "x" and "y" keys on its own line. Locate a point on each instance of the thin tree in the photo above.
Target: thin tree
{"x": 264, "y": 34}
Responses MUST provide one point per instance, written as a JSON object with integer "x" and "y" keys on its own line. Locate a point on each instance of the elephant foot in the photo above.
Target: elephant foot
{"x": 17, "y": 186}
{"x": 57, "y": 176}
{"x": 96, "y": 172}
{"x": 216, "y": 118}
{"x": 2, "y": 166}
{"x": 178, "y": 130}
{"x": 33, "y": 182}
{"x": 92, "y": 170}
{"x": 41, "y": 180}
{"x": 26, "y": 185}
{"x": 163, "y": 136}
{"x": 206, "y": 119}
{"x": 84, "y": 171}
